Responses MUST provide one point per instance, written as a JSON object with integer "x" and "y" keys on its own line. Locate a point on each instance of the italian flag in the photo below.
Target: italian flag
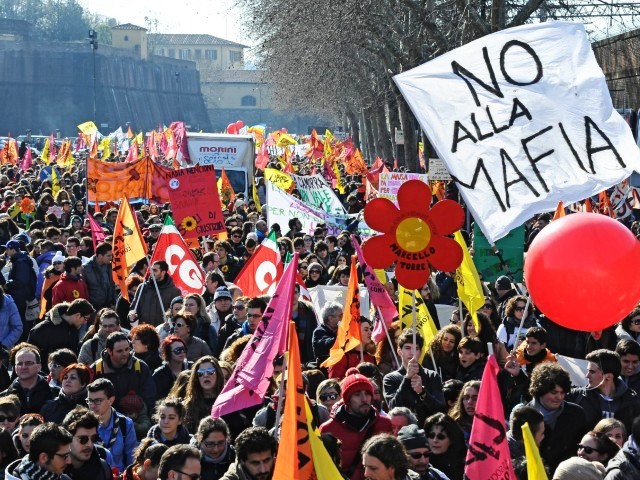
{"x": 263, "y": 269}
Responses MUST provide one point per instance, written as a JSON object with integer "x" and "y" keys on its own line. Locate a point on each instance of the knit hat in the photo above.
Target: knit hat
{"x": 315, "y": 265}
{"x": 412, "y": 437}
{"x": 58, "y": 257}
{"x": 503, "y": 283}
{"x": 177, "y": 299}
{"x": 222, "y": 292}
{"x": 252, "y": 236}
{"x": 131, "y": 403}
{"x": 577, "y": 468}
{"x": 354, "y": 383}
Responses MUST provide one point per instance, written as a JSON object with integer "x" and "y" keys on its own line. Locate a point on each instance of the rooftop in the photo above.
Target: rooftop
{"x": 128, "y": 26}
{"x": 190, "y": 39}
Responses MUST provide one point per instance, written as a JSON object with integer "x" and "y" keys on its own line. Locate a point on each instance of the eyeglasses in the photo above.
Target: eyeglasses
{"x": 317, "y": 272}
{"x": 179, "y": 350}
{"x": 84, "y": 439}
{"x": 53, "y": 366}
{"x": 63, "y": 455}
{"x": 303, "y": 267}
{"x": 439, "y": 436}
{"x": 206, "y": 372}
{"x": 587, "y": 450}
{"x": 419, "y": 455}
{"x": 238, "y": 307}
{"x": 329, "y": 396}
{"x": 4, "y": 418}
{"x": 254, "y": 315}
{"x": 236, "y": 236}
{"x": 214, "y": 444}
{"x": 519, "y": 309}
{"x": 192, "y": 476}
{"x": 488, "y": 306}
{"x": 95, "y": 401}
{"x": 26, "y": 364}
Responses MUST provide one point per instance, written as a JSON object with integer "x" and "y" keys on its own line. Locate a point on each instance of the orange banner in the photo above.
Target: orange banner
{"x": 142, "y": 179}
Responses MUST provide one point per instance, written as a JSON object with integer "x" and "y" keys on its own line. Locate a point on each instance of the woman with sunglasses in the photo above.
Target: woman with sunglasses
{"x": 597, "y": 447}
{"x": 490, "y": 309}
{"x": 195, "y": 305}
{"x": 169, "y": 428}
{"x": 513, "y": 313}
{"x": 447, "y": 445}
{"x": 328, "y": 393}
{"x": 629, "y": 328}
{"x": 184, "y": 324}
{"x": 75, "y": 379}
{"x": 9, "y": 412}
{"x": 174, "y": 354}
{"x": 204, "y": 386}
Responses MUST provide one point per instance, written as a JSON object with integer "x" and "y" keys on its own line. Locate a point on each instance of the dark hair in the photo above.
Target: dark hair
{"x": 174, "y": 458}
{"x": 224, "y": 245}
{"x": 147, "y": 335}
{"x": 407, "y": 337}
{"x": 605, "y": 445}
{"x": 208, "y": 425}
{"x": 451, "y": 390}
{"x": 522, "y": 415}
{"x": 24, "y": 346}
{"x": 166, "y": 345}
{"x": 450, "y": 427}
{"x": 626, "y": 321}
{"x": 170, "y": 402}
{"x": 70, "y": 263}
{"x": 390, "y": 451}
{"x": 7, "y": 447}
{"x": 190, "y": 320}
{"x": 257, "y": 302}
{"x": 103, "y": 248}
{"x": 149, "y": 449}
{"x": 473, "y": 344}
{"x": 102, "y": 384}
{"x": 80, "y": 417}
{"x": 254, "y": 440}
{"x": 458, "y": 412}
{"x": 216, "y": 277}
{"x": 63, "y": 357}
{"x": 47, "y": 438}
{"x": 539, "y": 333}
{"x": 31, "y": 420}
{"x": 487, "y": 333}
{"x": 628, "y": 347}
{"x": 81, "y": 306}
{"x": 115, "y": 337}
{"x": 607, "y": 360}
{"x": 545, "y": 377}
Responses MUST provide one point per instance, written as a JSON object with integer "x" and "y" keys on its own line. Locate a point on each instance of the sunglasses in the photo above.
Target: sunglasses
{"x": 419, "y": 455}
{"x": 84, "y": 439}
{"x": 315, "y": 271}
{"x": 519, "y": 309}
{"x": 635, "y": 321}
{"x": 4, "y": 418}
{"x": 206, "y": 373}
{"x": 303, "y": 267}
{"x": 328, "y": 396}
{"x": 439, "y": 436}
{"x": 488, "y": 306}
{"x": 179, "y": 350}
{"x": 238, "y": 307}
{"x": 587, "y": 450}
{"x": 179, "y": 325}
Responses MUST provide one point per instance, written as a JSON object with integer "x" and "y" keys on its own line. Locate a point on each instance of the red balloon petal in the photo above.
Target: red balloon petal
{"x": 377, "y": 251}
{"x": 447, "y": 217}
{"x": 415, "y": 195}
{"x": 380, "y": 213}
{"x": 448, "y": 254}
{"x": 411, "y": 279}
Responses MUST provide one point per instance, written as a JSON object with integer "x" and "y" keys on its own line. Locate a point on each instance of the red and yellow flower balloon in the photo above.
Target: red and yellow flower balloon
{"x": 414, "y": 235}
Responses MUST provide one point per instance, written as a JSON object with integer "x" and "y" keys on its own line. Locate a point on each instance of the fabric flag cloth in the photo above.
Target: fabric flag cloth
{"x": 488, "y": 455}
{"x": 88, "y": 128}
{"x": 251, "y": 378}
{"x": 44, "y": 154}
{"x": 263, "y": 269}
{"x": 348, "y": 336}
{"x": 225, "y": 190}
{"x": 559, "y": 213}
{"x": 55, "y": 182}
{"x": 97, "y": 234}
{"x": 262, "y": 159}
{"x": 468, "y": 281}
{"x": 52, "y": 149}
{"x": 183, "y": 266}
{"x": 254, "y": 194}
{"x": 535, "y": 467}
{"x": 128, "y": 245}
{"x": 425, "y": 325}
{"x": 378, "y": 295}
{"x": 27, "y": 160}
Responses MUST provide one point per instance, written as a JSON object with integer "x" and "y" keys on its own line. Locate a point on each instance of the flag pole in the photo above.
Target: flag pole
{"x": 414, "y": 319}
{"x": 155, "y": 284}
{"x": 386, "y": 330}
{"x": 282, "y": 389}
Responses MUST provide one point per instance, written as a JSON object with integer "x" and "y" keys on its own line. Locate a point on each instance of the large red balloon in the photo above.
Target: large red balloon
{"x": 231, "y": 128}
{"x": 582, "y": 271}
{"x": 239, "y": 124}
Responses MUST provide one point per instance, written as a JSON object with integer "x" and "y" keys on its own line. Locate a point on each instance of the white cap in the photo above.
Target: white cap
{"x": 58, "y": 257}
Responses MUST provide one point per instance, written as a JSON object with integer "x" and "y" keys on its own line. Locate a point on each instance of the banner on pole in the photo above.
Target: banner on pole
{"x": 315, "y": 191}
{"x": 390, "y": 182}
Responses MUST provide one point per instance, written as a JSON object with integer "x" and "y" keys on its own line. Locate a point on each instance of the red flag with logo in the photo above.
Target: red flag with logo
{"x": 263, "y": 269}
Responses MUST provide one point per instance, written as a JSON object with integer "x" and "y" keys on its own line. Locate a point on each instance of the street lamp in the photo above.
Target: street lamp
{"x": 93, "y": 43}
{"x": 259, "y": 89}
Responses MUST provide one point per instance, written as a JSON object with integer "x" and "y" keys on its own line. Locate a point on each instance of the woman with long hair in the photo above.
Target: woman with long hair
{"x": 184, "y": 324}
{"x": 513, "y": 313}
{"x": 146, "y": 461}
{"x": 486, "y": 335}
{"x": 196, "y": 306}
{"x": 8, "y": 452}
{"x": 443, "y": 349}
{"x": 464, "y": 409}
{"x": 446, "y": 442}
{"x": 629, "y": 327}
{"x": 597, "y": 447}
{"x": 384, "y": 352}
{"x": 490, "y": 309}
{"x": 204, "y": 386}
{"x": 174, "y": 354}
{"x": 169, "y": 428}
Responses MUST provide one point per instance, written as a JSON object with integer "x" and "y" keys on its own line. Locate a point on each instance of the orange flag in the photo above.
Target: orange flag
{"x": 559, "y": 211}
{"x": 225, "y": 190}
{"x": 605, "y": 205}
{"x": 349, "y": 329}
{"x": 587, "y": 205}
{"x": 438, "y": 190}
{"x": 128, "y": 245}
{"x": 294, "y": 437}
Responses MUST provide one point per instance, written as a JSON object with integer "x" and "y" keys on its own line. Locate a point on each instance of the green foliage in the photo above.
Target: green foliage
{"x": 53, "y": 20}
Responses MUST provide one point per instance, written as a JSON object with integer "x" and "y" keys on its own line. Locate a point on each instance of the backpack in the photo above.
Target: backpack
{"x": 94, "y": 347}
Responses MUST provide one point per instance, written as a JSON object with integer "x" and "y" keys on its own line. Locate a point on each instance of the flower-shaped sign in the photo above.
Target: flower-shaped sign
{"x": 413, "y": 235}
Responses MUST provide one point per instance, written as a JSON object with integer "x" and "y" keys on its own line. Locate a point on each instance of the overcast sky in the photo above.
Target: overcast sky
{"x": 213, "y": 17}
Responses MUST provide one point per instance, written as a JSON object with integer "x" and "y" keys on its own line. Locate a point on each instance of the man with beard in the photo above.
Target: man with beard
{"x": 87, "y": 458}
{"x": 255, "y": 456}
{"x": 148, "y": 307}
{"x": 354, "y": 421}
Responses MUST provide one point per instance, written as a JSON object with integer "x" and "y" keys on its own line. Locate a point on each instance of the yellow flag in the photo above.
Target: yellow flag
{"x": 105, "y": 146}
{"x": 88, "y": 128}
{"x": 535, "y": 467}
{"x": 279, "y": 179}
{"x": 140, "y": 139}
{"x": 128, "y": 245}
{"x": 55, "y": 182}
{"x": 285, "y": 139}
{"x": 468, "y": 281}
{"x": 425, "y": 325}
{"x": 254, "y": 193}
{"x": 45, "y": 151}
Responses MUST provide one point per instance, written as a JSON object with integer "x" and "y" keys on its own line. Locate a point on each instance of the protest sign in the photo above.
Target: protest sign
{"x": 322, "y": 294}
{"x": 437, "y": 170}
{"x": 390, "y": 182}
{"x": 282, "y": 207}
{"x": 195, "y": 201}
{"x": 522, "y": 119}
{"x": 510, "y": 247}
{"x": 315, "y": 191}
{"x": 281, "y": 179}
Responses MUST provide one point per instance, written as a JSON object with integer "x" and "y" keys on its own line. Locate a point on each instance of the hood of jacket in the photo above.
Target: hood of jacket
{"x": 56, "y": 312}
{"x": 46, "y": 257}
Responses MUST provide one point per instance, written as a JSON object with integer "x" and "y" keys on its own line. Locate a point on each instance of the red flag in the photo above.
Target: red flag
{"x": 27, "y": 160}
{"x": 97, "y": 234}
{"x": 263, "y": 269}
{"x": 262, "y": 159}
{"x": 488, "y": 455}
{"x": 183, "y": 266}
{"x": 132, "y": 156}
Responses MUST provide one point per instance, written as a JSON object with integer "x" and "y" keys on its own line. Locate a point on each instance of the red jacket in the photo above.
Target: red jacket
{"x": 68, "y": 289}
{"x": 353, "y": 438}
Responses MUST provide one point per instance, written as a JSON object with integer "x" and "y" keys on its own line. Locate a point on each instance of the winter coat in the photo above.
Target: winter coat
{"x": 91, "y": 350}
{"x": 398, "y": 393}
{"x": 93, "y": 469}
{"x": 55, "y": 332}
{"x": 236, "y": 472}
{"x": 164, "y": 379}
{"x": 10, "y": 322}
{"x": 350, "y": 359}
{"x": 323, "y": 339}
{"x": 215, "y": 470}
{"x": 102, "y": 292}
{"x": 55, "y": 410}
{"x": 11, "y": 474}
{"x": 21, "y": 284}
{"x": 626, "y": 464}
{"x": 33, "y": 400}
{"x": 196, "y": 348}
{"x": 152, "y": 359}
{"x": 149, "y": 309}
{"x": 69, "y": 289}
{"x": 306, "y": 322}
{"x": 182, "y": 437}
{"x": 43, "y": 261}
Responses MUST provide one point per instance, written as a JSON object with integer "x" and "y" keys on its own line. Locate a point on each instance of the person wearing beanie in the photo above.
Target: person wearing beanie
{"x": 415, "y": 443}
{"x": 504, "y": 292}
{"x": 354, "y": 420}
{"x": 577, "y": 468}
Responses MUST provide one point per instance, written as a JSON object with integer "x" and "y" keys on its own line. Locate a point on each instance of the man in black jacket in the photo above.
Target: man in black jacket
{"x": 97, "y": 274}
{"x": 413, "y": 386}
{"x": 88, "y": 459}
{"x": 324, "y": 336}
{"x": 149, "y": 309}
{"x": 21, "y": 284}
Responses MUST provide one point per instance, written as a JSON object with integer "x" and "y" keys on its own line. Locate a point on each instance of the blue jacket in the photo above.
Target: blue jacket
{"x": 125, "y": 441}
{"x": 44, "y": 260}
{"x": 10, "y": 323}
{"x": 22, "y": 280}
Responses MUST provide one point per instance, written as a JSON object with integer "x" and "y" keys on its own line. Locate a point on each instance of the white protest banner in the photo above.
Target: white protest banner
{"x": 315, "y": 191}
{"x": 390, "y": 182}
{"x": 322, "y": 294}
{"x": 522, "y": 119}
{"x": 282, "y": 207}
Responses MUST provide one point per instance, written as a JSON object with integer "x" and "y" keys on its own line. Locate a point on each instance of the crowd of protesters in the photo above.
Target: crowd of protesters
{"x": 97, "y": 386}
